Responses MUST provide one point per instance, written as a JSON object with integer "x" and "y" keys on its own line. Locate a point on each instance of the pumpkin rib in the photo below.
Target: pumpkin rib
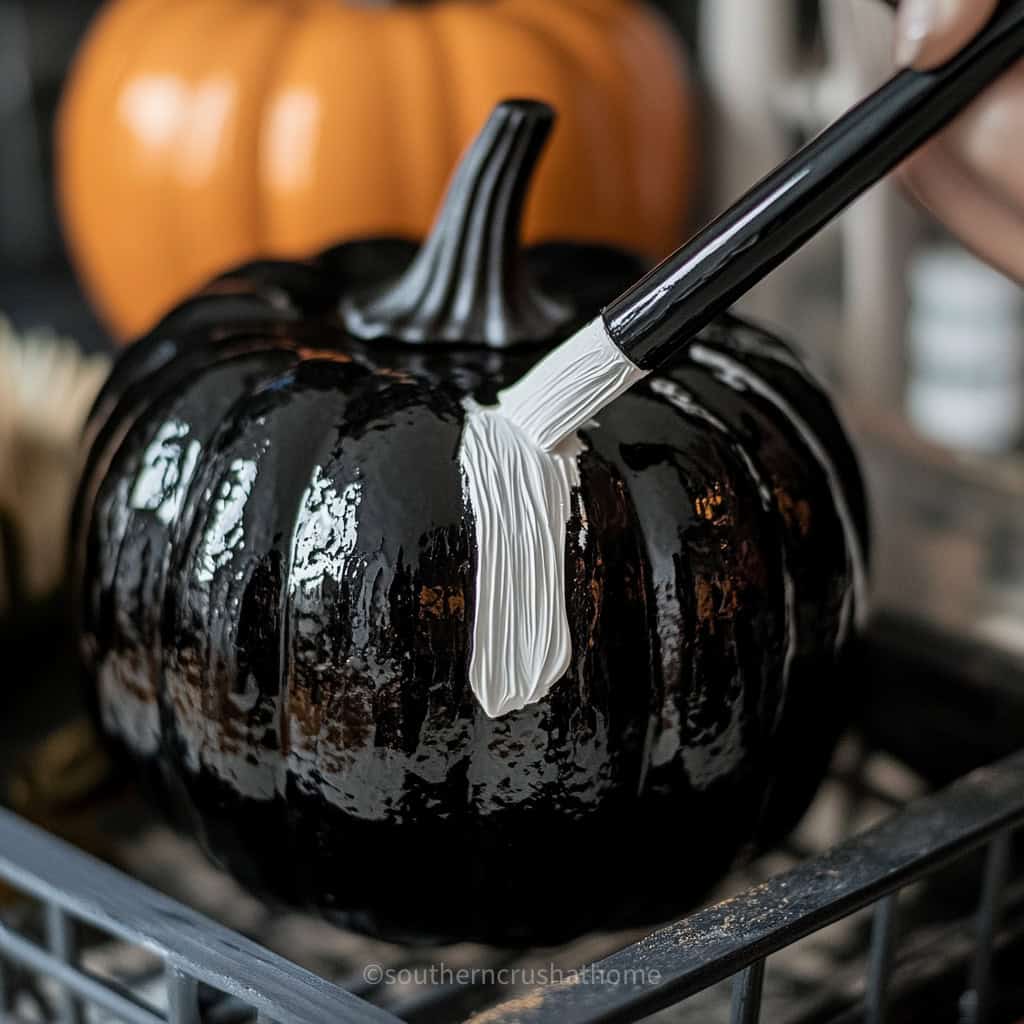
{"x": 642, "y": 48}
{"x": 824, "y": 614}
{"x": 715, "y": 424}
{"x": 724, "y": 365}
{"x": 188, "y": 544}
{"x": 134, "y": 402}
{"x": 587, "y": 109}
{"x": 381, "y": 562}
{"x": 496, "y": 54}
{"x": 641, "y": 45}
{"x": 592, "y": 54}
{"x": 89, "y": 197}
{"x": 709, "y": 570}
{"x": 426, "y": 137}
{"x": 116, "y": 670}
{"x": 130, "y": 408}
{"x": 131, "y": 456}
{"x": 133, "y": 411}
{"x": 217, "y": 194}
{"x": 300, "y": 14}
{"x": 289, "y": 120}
{"x": 635, "y": 480}
{"x": 307, "y": 202}
{"x": 318, "y": 454}
{"x": 159, "y": 100}
{"x": 290, "y": 713}
{"x": 389, "y": 145}
{"x": 792, "y": 380}
{"x": 763, "y": 479}
{"x": 124, "y": 544}
{"x": 799, "y": 388}
{"x": 760, "y": 348}
{"x": 199, "y": 51}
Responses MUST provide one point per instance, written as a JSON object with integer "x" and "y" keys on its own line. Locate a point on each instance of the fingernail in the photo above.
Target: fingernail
{"x": 917, "y": 20}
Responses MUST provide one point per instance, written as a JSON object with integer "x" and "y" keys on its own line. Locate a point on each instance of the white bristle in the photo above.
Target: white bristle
{"x": 569, "y": 387}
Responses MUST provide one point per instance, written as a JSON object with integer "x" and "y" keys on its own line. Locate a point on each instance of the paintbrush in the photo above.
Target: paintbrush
{"x": 651, "y": 323}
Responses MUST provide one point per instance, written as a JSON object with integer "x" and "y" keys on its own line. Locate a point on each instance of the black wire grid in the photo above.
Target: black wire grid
{"x": 731, "y": 939}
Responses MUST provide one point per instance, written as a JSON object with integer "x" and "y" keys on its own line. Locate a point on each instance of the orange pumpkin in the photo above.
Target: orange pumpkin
{"x": 199, "y": 133}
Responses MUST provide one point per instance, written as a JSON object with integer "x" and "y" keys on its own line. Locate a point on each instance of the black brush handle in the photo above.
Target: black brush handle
{"x": 656, "y": 317}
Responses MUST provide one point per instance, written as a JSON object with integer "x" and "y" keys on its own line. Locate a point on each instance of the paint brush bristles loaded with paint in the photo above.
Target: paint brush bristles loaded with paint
{"x": 519, "y": 458}
{"x": 654, "y": 320}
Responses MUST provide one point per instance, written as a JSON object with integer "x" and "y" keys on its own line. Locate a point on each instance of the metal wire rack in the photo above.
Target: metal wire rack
{"x": 207, "y": 972}
{"x": 887, "y": 904}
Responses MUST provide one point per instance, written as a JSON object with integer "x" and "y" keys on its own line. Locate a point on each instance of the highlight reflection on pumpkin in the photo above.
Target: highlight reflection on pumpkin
{"x": 276, "y": 568}
{"x": 196, "y": 135}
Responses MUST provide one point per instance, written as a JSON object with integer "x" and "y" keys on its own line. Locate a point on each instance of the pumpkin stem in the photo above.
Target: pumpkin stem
{"x": 469, "y": 283}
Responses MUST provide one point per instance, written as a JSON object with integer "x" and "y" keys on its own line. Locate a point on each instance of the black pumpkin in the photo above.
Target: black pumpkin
{"x": 275, "y": 568}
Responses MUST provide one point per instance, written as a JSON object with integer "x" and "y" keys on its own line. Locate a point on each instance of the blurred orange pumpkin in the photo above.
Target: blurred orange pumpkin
{"x": 198, "y": 133}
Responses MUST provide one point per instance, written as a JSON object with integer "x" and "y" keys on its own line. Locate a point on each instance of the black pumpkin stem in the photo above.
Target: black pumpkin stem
{"x": 469, "y": 283}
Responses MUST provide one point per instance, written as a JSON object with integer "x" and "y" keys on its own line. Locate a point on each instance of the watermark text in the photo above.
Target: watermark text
{"x": 451, "y": 975}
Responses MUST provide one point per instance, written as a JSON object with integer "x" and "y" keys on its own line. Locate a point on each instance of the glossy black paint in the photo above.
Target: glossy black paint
{"x": 276, "y": 574}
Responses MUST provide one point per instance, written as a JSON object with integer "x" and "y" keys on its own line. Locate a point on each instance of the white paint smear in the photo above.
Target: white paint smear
{"x": 521, "y": 498}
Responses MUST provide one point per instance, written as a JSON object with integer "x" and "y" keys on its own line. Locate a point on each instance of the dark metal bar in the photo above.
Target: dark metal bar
{"x": 719, "y": 941}
{"x": 63, "y": 944}
{"x": 883, "y": 947}
{"x": 182, "y": 997}
{"x": 21, "y": 951}
{"x": 997, "y": 868}
{"x": 746, "y": 995}
{"x": 54, "y": 871}
{"x": 5, "y": 990}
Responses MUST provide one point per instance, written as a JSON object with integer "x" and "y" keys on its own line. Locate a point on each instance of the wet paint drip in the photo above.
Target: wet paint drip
{"x": 521, "y": 499}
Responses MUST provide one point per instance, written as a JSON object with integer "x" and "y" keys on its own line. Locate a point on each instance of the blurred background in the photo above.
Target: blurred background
{"x": 37, "y": 42}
